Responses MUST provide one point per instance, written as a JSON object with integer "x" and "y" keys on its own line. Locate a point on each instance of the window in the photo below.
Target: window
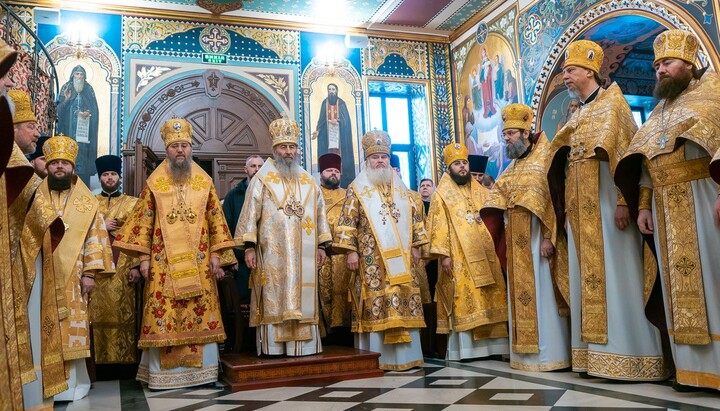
{"x": 391, "y": 112}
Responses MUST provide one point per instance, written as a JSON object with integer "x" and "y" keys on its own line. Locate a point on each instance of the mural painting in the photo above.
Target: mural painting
{"x": 486, "y": 82}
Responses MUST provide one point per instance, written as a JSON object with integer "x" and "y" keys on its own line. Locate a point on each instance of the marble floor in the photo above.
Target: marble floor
{"x": 439, "y": 385}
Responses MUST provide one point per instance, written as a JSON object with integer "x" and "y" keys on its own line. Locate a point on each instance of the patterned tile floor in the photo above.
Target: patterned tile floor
{"x": 439, "y": 385}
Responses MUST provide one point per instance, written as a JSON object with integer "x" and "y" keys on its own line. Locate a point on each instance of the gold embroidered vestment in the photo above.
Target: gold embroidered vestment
{"x": 334, "y": 277}
{"x": 692, "y": 116}
{"x": 181, "y": 308}
{"x": 112, "y": 308}
{"x": 599, "y": 131}
{"x": 522, "y": 191}
{"x": 474, "y": 297}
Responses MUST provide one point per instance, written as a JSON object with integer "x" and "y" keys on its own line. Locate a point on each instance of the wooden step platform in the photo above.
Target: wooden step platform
{"x": 248, "y": 372}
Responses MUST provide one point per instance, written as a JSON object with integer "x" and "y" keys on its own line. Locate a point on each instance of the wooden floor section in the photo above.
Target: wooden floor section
{"x": 249, "y": 372}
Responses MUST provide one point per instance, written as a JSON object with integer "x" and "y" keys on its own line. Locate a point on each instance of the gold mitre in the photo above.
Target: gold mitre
{"x": 8, "y": 55}
{"x": 454, "y": 152}
{"x": 376, "y": 141}
{"x": 176, "y": 130}
{"x": 584, "y": 53}
{"x": 60, "y": 148}
{"x": 23, "y": 107}
{"x": 517, "y": 116}
{"x": 679, "y": 44}
{"x": 284, "y": 131}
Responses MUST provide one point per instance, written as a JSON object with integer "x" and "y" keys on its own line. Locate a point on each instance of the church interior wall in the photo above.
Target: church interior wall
{"x": 524, "y": 36}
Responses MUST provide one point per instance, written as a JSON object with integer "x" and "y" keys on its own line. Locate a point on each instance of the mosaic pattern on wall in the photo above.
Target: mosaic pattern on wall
{"x": 540, "y": 54}
{"x": 442, "y": 103}
{"x": 267, "y": 58}
{"x": 395, "y": 58}
{"x": 238, "y": 42}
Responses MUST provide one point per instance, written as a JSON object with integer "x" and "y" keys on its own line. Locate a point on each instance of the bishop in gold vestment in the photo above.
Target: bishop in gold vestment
{"x": 381, "y": 229}
{"x": 667, "y": 168}
{"x": 178, "y": 231}
{"x": 536, "y": 257}
{"x": 610, "y": 335}
{"x": 334, "y": 276}
{"x": 68, "y": 271}
{"x": 284, "y": 231}
{"x": 471, "y": 294}
{"x": 112, "y": 309}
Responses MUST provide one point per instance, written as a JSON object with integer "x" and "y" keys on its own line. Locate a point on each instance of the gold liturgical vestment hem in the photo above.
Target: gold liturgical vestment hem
{"x": 671, "y": 175}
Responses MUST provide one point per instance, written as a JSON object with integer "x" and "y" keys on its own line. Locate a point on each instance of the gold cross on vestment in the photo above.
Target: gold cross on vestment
{"x": 308, "y": 225}
{"x": 367, "y": 192}
{"x": 305, "y": 179}
{"x": 273, "y": 177}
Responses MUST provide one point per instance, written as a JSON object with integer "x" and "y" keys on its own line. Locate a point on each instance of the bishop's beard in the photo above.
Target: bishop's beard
{"x": 59, "y": 183}
{"x": 180, "y": 170}
{"x": 332, "y": 99}
{"x": 287, "y": 168}
{"x": 378, "y": 176}
{"x": 516, "y": 149}
{"x": 458, "y": 179}
{"x": 671, "y": 87}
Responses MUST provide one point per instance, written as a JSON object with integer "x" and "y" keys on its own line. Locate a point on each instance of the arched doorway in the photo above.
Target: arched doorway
{"x": 230, "y": 122}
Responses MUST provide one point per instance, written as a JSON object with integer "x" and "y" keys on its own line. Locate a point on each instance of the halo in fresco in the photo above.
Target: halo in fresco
{"x": 486, "y": 84}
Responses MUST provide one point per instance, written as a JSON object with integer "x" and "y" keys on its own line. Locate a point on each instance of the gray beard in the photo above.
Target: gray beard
{"x": 78, "y": 85}
{"x": 517, "y": 149}
{"x": 286, "y": 168}
{"x": 379, "y": 176}
{"x": 181, "y": 171}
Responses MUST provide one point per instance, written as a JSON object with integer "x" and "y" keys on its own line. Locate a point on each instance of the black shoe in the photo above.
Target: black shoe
{"x": 584, "y": 375}
{"x": 687, "y": 388}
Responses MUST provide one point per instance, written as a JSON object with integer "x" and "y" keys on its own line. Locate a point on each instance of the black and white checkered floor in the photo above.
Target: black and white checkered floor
{"x": 439, "y": 385}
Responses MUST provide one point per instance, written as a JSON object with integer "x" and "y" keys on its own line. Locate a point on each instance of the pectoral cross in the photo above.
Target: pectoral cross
{"x": 389, "y": 209}
{"x": 579, "y": 150}
{"x": 663, "y": 140}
